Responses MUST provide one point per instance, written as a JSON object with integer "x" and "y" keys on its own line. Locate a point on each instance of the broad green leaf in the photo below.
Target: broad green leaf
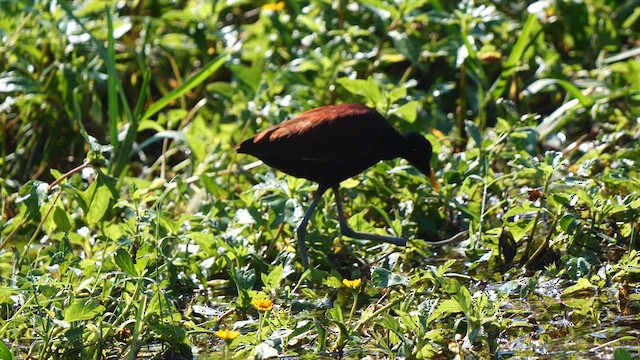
{"x": 397, "y": 93}
{"x": 31, "y": 196}
{"x": 141, "y": 264}
{"x": 335, "y": 313}
{"x": 199, "y": 137}
{"x": 98, "y": 198}
{"x": 272, "y": 280}
{"x": 293, "y": 212}
{"x": 6, "y": 293}
{"x": 408, "y": 111}
{"x": 122, "y": 258}
{"x": 350, "y": 183}
{"x": 333, "y": 281}
{"x": 248, "y": 76}
{"x": 526, "y": 208}
{"x": 406, "y": 45}
{"x": 445, "y": 308}
{"x": 569, "y": 223}
{"x": 583, "y": 306}
{"x": 582, "y": 284}
{"x": 622, "y": 354}
{"x": 366, "y": 88}
{"x": 245, "y": 279}
{"x": 61, "y": 219}
{"x": 82, "y": 309}
{"x": 384, "y": 278}
{"x": 174, "y": 334}
{"x": 464, "y": 299}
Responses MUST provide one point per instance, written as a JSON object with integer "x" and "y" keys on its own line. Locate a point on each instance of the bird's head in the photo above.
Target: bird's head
{"x": 418, "y": 153}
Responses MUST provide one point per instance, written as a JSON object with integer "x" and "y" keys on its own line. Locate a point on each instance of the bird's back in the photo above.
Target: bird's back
{"x": 327, "y": 144}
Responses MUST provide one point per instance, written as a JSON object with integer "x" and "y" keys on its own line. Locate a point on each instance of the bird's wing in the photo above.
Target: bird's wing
{"x": 330, "y": 133}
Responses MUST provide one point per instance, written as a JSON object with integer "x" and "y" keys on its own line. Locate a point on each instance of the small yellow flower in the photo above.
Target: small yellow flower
{"x": 227, "y": 335}
{"x": 353, "y": 284}
{"x": 273, "y": 6}
{"x": 262, "y": 305}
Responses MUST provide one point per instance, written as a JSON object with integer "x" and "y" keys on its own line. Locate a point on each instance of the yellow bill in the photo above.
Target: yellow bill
{"x": 434, "y": 182}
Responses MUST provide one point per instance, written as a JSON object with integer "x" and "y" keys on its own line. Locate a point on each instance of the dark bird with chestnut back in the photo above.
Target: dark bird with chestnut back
{"x": 332, "y": 143}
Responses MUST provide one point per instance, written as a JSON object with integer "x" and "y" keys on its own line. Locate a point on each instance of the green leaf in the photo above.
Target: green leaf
{"x": 335, "y": 313}
{"x": 248, "y": 76}
{"x": 474, "y": 131}
{"x": 61, "y": 219}
{"x": 407, "y": 46}
{"x": 464, "y": 299}
{"x": 581, "y": 285}
{"x": 526, "y": 208}
{"x": 6, "y": 293}
{"x": 384, "y": 278}
{"x": 198, "y": 136}
{"x": 334, "y": 280}
{"x": 569, "y": 223}
{"x": 31, "y": 196}
{"x": 621, "y": 354}
{"x": 322, "y": 335}
{"x": 173, "y": 334}
{"x": 150, "y": 125}
{"x": 98, "y": 197}
{"x": 124, "y": 262}
{"x": 382, "y": 9}
{"x": 245, "y": 279}
{"x": 82, "y": 309}
{"x": 5, "y": 354}
{"x": 397, "y": 93}
{"x": 141, "y": 264}
{"x": 365, "y": 88}
{"x": 445, "y": 308}
{"x": 538, "y": 85}
{"x": 408, "y": 111}
{"x": 272, "y": 280}
{"x": 293, "y": 212}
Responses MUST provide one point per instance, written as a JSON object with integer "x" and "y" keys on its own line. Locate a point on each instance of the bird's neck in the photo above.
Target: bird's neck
{"x": 392, "y": 146}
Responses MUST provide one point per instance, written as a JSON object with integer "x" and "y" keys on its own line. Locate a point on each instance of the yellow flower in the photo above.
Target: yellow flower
{"x": 353, "y": 284}
{"x": 273, "y": 6}
{"x": 262, "y": 305}
{"x": 227, "y": 335}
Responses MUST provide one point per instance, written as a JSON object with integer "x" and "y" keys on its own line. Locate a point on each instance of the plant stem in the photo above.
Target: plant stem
{"x": 68, "y": 173}
{"x": 535, "y": 221}
{"x": 375, "y": 314}
{"x": 353, "y": 307}
{"x": 259, "y": 335}
{"x": 545, "y": 244}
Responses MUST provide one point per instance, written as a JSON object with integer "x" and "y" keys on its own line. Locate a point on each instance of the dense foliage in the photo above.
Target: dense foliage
{"x": 131, "y": 228}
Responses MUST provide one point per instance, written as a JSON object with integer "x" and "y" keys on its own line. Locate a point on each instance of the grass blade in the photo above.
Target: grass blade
{"x": 530, "y": 30}
{"x": 185, "y": 87}
{"x": 112, "y": 91}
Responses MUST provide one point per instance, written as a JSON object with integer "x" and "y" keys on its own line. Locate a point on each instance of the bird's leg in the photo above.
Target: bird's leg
{"x": 301, "y": 231}
{"x": 347, "y": 231}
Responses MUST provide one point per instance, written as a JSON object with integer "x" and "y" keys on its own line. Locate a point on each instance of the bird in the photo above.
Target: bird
{"x": 332, "y": 143}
